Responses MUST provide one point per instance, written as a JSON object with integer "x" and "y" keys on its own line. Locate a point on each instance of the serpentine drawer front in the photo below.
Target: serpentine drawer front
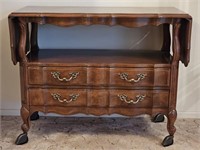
{"x": 99, "y": 98}
{"x": 58, "y": 97}
{"x": 98, "y": 81}
{"x": 99, "y": 76}
{"x": 139, "y": 77}
{"x": 139, "y": 98}
{"x": 57, "y": 75}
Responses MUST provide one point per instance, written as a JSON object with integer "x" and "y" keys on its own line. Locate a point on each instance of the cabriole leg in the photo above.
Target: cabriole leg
{"x": 23, "y": 138}
{"x": 169, "y": 140}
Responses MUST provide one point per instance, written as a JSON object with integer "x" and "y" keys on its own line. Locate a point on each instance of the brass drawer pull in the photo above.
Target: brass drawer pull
{"x": 137, "y": 99}
{"x": 73, "y": 75}
{"x": 57, "y": 96}
{"x": 140, "y": 76}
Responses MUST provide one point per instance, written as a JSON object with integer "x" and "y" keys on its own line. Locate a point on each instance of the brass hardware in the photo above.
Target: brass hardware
{"x": 73, "y": 75}
{"x": 57, "y": 96}
{"x": 140, "y": 76}
{"x": 137, "y": 99}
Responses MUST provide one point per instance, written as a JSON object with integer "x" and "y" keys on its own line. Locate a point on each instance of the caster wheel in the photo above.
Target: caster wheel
{"x": 21, "y": 139}
{"x": 34, "y": 116}
{"x": 158, "y": 118}
{"x": 168, "y": 140}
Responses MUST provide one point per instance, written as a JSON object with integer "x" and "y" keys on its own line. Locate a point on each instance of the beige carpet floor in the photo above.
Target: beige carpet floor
{"x": 64, "y": 133}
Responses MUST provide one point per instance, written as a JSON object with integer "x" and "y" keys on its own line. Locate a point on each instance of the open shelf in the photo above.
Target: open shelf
{"x": 82, "y": 57}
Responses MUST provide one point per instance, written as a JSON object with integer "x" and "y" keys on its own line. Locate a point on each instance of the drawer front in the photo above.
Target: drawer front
{"x": 58, "y": 97}
{"x": 99, "y": 98}
{"x": 57, "y": 75}
{"x": 65, "y": 76}
{"x": 36, "y": 97}
{"x": 139, "y": 98}
{"x": 139, "y": 77}
{"x": 63, "y": 97}
{"x": 128, "y": 77}
{"x": 35, "y": 75}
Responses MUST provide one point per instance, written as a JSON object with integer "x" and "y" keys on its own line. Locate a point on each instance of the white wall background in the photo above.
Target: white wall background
{"x": 189, "y": 81}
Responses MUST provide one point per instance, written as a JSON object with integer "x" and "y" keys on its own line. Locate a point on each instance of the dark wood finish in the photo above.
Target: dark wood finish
{"x": 154, "y": 77}
{"x": 91, "y": 81}
{"x": 81, "y": 78}
{"x": 99, "y": 98}
{"x": 166, "y": 38}
{"x": 152, "y": 98}
{"x": 65, "y": 94}
{"x": 129, "y": 17}
{"x": 96, "y": 76}
{"x": 34, "y": 39}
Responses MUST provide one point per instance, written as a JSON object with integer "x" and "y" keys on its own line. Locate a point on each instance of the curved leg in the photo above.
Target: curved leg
{"x": 34, "y": 116}
{"x": 158, "y": 118}
{"x": 169, "y": 140}
{"x": 23, "y": 138}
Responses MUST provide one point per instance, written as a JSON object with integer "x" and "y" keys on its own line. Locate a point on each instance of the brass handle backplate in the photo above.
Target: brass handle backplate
{"x": 72, "y": 97}
{"x": 73, "y": 75}
{"x": 140, "y": 76}
{"x": 138, "y": 98}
